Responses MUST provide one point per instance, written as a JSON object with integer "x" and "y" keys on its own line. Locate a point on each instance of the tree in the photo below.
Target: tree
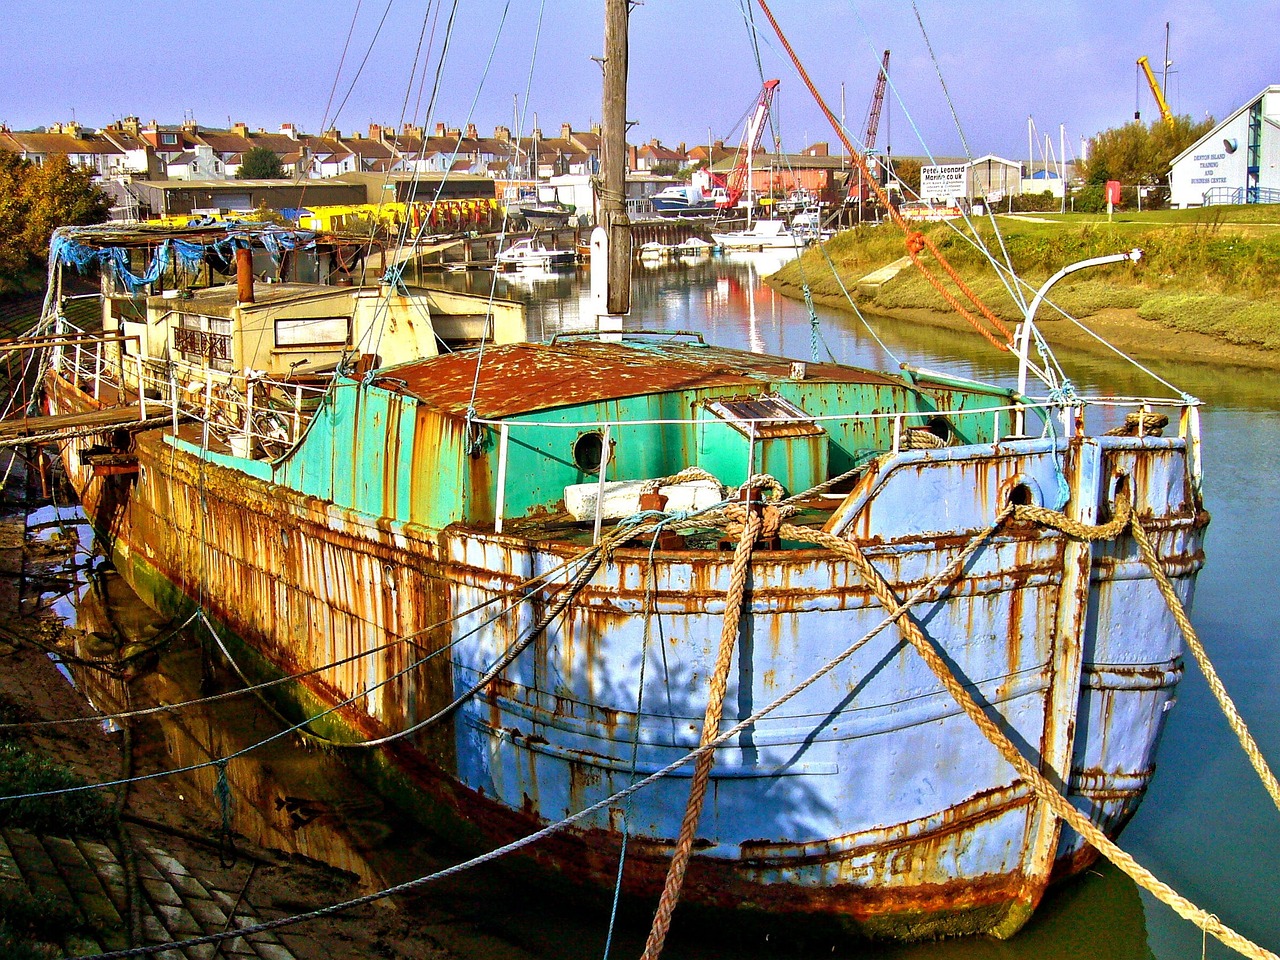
{"x": 34, "y": 200}
{"x": 260, "y": 163}
{"x": 907, "y": 171}
{"x": 1137, "y": 154}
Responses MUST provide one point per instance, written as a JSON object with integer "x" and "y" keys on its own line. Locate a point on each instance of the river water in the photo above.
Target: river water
{"x": 1206, "y": 827}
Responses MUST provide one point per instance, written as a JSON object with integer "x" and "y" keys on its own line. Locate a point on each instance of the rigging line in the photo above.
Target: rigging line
{"x": 891, "y": 617}
{"x": 506, "y": 215}
{"x": 333, "y": 90}
{"x": 650, "y": 614}
{"x": 941, "y": 80}
{"x": 595, "y": 555}
{"x": 986, "y": 323}
{"x": 382, "y": 307}
{"x": 404, "y": 105}
{"x": 897, "y": 94}
{"x": 409, "y": 638}
{"x": 858, "y": 313}
{"x": 457, "y": 146}
{"x": 244, "y": 751}
{"x": 590, "y": 556}
{"x": 415, "y": 179}
{"x": 431, "y": 42}
{"x": 364, "y": 61}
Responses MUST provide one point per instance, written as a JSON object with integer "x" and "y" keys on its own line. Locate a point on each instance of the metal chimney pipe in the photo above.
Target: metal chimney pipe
{"x": 244, "y": 275}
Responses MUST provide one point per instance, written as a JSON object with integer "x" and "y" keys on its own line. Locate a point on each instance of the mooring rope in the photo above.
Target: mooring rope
{"x": 751, "y": 528}
{"x": 1228, "y": 706}
{"x": 1042, "y": 787}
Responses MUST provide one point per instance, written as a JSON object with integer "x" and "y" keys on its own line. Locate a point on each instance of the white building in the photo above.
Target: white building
{"x": 1238, "y": 161}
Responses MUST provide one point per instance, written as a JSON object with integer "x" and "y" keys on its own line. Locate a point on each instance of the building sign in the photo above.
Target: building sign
{"x": 1207, "y": 170}
{"x": 944, "y": 181}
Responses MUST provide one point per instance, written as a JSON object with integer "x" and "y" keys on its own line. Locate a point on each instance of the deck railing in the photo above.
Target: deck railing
{"x": 255, "y": 416}
{"x": 1061, "y": 420}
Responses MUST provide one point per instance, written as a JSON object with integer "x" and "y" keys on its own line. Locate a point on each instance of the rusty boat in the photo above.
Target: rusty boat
{"x": 500, "y": 562}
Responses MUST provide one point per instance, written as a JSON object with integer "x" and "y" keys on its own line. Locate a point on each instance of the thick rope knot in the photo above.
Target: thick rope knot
{"x": 772, "y": 522}
{"x": 765, "y": 484}
{"x": 1122, "y": 514}
{"x": 915, "y": 243}
{"x": 1064, "y": 395}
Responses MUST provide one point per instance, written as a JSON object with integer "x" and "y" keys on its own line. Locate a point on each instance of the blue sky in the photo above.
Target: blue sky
{"x": 693, "y": 70}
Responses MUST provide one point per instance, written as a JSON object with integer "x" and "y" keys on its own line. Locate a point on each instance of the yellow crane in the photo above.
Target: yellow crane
{"x": 1165, "y": 113}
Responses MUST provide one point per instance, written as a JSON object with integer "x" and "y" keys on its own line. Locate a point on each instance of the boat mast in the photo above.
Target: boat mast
{"x": 613, "y": 201}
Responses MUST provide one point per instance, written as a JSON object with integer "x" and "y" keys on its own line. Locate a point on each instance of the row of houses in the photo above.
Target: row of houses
{"x": 190, "y": 152}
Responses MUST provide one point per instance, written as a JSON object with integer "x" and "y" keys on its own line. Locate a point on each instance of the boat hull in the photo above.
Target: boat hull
{"x": 870, "y": 800}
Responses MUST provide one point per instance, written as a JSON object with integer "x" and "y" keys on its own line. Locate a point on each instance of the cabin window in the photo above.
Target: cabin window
{"x": 313, "y": 332}
{"x": 168, "y": 138}
{"x": 206, "y": 339}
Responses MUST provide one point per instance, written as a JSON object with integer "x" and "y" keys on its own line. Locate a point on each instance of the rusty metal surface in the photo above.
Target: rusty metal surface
{"x": 870, "y": 797}
{"x": 522, "y": 378}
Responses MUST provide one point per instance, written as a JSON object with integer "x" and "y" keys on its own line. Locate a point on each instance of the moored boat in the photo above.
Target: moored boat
{"x": 762, "y": 235}
{"x": 525, "y": 547}
{"x": 531, "y": 252}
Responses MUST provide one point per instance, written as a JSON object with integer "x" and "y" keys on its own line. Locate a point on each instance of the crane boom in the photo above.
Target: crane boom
{"x": 751, "y": 135}
{"x": 1165, "y": 113}
{"x": 857, "y": 189}
{"x": 877, "y": 102}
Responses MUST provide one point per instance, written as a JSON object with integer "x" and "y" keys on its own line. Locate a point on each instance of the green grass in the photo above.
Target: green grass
{"x": 84, "y": 813}
{"x": 32, "y": 923}
{"x": 1213, "y": 271}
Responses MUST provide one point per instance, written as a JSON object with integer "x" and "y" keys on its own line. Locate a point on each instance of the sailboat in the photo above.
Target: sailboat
{"x": 570, "y": 585}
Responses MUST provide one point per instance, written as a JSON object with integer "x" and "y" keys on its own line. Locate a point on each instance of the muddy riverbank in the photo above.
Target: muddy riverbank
{"x": 1122, "y": 327}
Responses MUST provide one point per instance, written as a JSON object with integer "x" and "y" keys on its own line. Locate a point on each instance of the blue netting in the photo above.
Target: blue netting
{"x": 189, "y": 256}
{"x": 62, "y": 249}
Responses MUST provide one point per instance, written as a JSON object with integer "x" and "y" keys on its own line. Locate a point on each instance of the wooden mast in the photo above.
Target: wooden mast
{"x": 613, "y": 203}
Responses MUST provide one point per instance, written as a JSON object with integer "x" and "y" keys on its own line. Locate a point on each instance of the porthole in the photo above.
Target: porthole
{"x": 1021, "y": 491}
{"x": 1020, "y": 495}
{"x": 587, "y": 450}
{"x": 940, "y": 427}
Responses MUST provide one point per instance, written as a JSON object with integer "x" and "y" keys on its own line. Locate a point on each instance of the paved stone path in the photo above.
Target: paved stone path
{"x": 176, "y": 905}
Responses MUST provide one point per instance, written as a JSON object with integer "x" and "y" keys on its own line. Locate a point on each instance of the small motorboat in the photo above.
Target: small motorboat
{"x": 531, "y": 252}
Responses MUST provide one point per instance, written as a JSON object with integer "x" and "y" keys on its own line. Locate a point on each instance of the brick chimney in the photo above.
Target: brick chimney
{"x": 633, "y": 157}
{"x": 566, "y": 131}
{"x": 333, "y": 134}
{"x": 472, "y": 133}
{"x": 131, "y": 126}
{"x": 502, "y": 133}
{"x": 240, "y": 128}
{"x": 454, "y": 133}
{"x": 289, "y": 130}
{"x": 375, "y": 131}
{"x": 439, "y": 129}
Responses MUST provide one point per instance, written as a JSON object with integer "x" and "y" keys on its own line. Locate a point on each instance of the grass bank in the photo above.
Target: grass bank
{"x": 1213, "y": 275}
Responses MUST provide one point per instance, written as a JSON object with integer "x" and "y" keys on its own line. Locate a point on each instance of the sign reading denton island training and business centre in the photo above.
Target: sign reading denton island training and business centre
{"x": 944, "y": 181}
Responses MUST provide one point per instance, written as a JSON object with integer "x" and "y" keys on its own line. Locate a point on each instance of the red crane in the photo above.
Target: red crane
{"x": 858, "y": 189}
{"x": 751, "y": 134}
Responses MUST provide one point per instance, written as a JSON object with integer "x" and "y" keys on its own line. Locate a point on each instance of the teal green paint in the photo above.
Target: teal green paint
{"x": 383, "y": 454}
{"x": 371, "y": 460}
{"x": 260, "y": 469}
